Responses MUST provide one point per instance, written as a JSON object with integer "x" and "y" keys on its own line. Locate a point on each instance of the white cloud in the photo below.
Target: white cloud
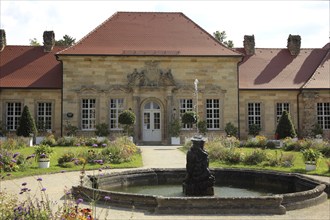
{"x": 270, "y": 22}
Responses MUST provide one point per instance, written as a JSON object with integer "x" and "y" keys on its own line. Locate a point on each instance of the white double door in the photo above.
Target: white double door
{"x": 152, "y": 122}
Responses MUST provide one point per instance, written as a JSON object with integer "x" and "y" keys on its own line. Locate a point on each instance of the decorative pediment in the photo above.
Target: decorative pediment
{"x": 151, "y": 75}
{"x": 87, "y": 90}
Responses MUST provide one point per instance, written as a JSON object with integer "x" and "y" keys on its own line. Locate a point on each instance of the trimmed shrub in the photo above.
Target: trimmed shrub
{"x": 26, "y": 126}
{"x": 231, "y": 130}
{"x": 127, "y": 118}
{"x": 254, "y": 129}
{"x": 285, "y": 127}
{"x": 202, "y": 127}
{"x": 189, "y": 117}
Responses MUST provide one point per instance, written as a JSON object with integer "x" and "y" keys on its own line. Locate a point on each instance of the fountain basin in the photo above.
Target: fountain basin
{"x": 298, "y": 192}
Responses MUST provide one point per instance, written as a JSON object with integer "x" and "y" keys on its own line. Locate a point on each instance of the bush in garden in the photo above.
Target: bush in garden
{"x": 102, "y": 130}
{"x": 262, "y": 141}
{"x": 254, "y": 129}
{"x": 121, "y": 150}
{"x": 229, "y": 141}
{"x": 26, "y": 126}
{"x": 287, "y": 160}
{"x": 289, "y": 144}
{"x": 254, "y": 158}
{"x": 215, "y": 150}
{"x": 325, "y": 150}
{"x": 231, "y": 130}
{"x": 49, "y": 140}
{"x": 65, "y": 158}
{"x": 232, "y": 156}
{"x": 67, "y": 141}
{"x": 251, "y": 143}
{"x": 285, "y": 127}
{"x": 12, "y": 162}
{"x": 13, "y": 143}
{"x": 270, "y": 145}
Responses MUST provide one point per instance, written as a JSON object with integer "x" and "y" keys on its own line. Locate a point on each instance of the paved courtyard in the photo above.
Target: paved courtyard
{"x": 153, "y": 157}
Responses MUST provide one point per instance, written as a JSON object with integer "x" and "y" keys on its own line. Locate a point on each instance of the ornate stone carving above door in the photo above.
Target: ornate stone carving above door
{"x": 151, "y": 75}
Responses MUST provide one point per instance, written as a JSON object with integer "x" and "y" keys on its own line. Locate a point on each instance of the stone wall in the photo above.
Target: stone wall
{"x": 268, "y": 100}
{"x": 31, "y": 97}
{"x": 308, "y": 100}
{"x": 106, "y": 77}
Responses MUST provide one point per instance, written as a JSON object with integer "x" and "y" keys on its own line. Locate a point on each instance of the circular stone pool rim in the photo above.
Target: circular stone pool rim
{"x": 306, "y": 192}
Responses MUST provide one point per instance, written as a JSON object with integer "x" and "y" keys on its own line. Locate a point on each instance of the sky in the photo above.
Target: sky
{"x": 270, "y": 22}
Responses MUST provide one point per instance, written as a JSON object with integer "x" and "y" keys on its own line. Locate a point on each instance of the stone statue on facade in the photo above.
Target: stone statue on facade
{"x": 198, "y": 181}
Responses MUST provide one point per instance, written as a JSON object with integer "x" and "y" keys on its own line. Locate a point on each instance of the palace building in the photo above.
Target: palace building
{"x": 148, "y": 62}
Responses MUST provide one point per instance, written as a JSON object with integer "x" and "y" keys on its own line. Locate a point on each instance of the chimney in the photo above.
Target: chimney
{"x": 49, "y": 40}
{"x": 294, "y": 42}
{"x": 2, "y": 39}
{"x": 249, "y": 44}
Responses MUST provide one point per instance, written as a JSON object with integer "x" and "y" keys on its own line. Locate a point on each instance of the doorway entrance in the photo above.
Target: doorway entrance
{"x": 152, "y": 122}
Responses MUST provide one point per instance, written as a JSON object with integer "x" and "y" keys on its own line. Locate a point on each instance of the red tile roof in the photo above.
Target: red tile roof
{"x": 277, "y": 69}
{"x": 149, "y": 33}
{"x": 30, "y": 67}
{"x": 321, "y": 77}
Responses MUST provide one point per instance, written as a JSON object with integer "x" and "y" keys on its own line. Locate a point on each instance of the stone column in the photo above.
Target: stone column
{"x": 136, "y": 108}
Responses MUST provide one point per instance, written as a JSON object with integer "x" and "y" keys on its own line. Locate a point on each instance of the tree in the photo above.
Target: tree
{"x": 66, "y": 41}
{"x": 34, "y": 42}
{"x": 221, "y": 36}
{"x": 285, "y": 127}
{"x": 127, "y": 118}
{"x": 26, "y": 126}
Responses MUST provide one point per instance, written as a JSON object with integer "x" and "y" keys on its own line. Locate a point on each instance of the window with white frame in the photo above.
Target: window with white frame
{"x": 213, "y": 114}
{"x": 280, "y": 107}
{"x": 88, "y": 114}
{"x": 254, "y": 114}
{"x": 323, "y": 115}
{"x": 186, "y": 105}
{"x": 44, "y": 115}
{"x": 116, "y": 107}
{"x": 13, "y": 115}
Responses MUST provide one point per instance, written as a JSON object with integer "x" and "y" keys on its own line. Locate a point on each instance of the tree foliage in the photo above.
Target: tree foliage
{"x": 34, "y": 42}
{"x": 66, "y": 41}
{"x": 285, "y": 127}
{"x": 221, "y": 37}
{"x": 26, "y": 125}
{"x": 127, "y": 118}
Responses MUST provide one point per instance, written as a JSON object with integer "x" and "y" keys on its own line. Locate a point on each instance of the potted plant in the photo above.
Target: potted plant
{"x": 43, "y": 153}
{"x": 175, "y": 128}
{"x": 254, "y": 130}
{"x": 231, "y": 130}
{"x": 127, "y": 119}
{"x": 310, "y": 157}
{"x": 202, "y": 127}
{"x": 189, "y": 117}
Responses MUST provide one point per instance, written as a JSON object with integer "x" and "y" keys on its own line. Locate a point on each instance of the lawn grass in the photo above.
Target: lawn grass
{"x": 58, "y": 152}
{"x": 298, "y": 164}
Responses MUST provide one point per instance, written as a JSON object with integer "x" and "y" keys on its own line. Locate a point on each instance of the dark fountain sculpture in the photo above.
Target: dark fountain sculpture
{"x": 198, "y": 181}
